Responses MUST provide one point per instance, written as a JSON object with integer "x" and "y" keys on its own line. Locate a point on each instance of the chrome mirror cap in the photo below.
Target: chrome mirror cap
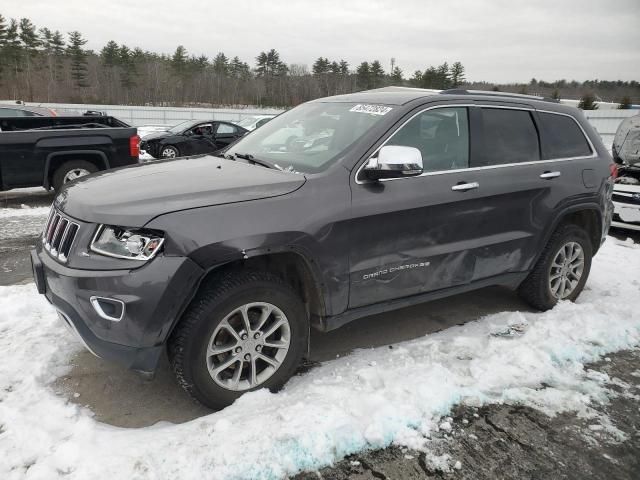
{"x": 394, "y": 161}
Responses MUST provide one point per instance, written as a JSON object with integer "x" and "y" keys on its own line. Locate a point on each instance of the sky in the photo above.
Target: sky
{"x": 497, "y": 40}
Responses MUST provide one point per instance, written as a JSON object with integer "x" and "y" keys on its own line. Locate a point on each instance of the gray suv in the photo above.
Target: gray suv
{"x": 338, "y": 209}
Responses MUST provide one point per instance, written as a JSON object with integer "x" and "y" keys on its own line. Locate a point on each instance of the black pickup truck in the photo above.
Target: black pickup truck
{"x": 51, "y": 151}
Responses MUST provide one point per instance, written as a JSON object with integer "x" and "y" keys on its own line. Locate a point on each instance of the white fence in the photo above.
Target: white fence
{"x": 142, "y": 115}
{"x": 605, "y": 121}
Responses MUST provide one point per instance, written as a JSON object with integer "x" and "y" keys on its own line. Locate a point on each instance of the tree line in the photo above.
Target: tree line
{"x": 44, "y": 65}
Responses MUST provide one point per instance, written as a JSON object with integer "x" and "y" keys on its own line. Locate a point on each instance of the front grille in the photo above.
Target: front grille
{"x": 58, "y": 235}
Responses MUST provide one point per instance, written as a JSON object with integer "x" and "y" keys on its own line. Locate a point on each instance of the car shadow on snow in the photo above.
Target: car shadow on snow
{"x": 122, "y": 398}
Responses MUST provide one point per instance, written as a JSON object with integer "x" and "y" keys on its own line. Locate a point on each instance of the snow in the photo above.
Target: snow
{"x": 16, "y": 223}
{"x": 369, "y": 399}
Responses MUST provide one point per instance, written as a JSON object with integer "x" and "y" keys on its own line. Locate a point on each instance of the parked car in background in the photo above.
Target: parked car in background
{"x": 22, "y": 110}
{"x": 254, "y": 121}
{"x": 191, "y": 138}
{"x": 389, "y": 199}
{"x": 626, "y": 191}
{"x": 8, "y": 110}
{"x": 52, "y": 151}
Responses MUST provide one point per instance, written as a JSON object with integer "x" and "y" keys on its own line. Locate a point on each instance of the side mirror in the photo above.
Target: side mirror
{"x": 394, "y": 162}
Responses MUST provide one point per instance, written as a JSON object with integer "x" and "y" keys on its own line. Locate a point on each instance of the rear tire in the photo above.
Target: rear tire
{"x": 208, "y": 326}
{"x": 562, "y": 270}
{"x": 71, "y": 170}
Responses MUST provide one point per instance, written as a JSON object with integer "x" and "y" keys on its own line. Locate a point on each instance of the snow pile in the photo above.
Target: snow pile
{"x": 24, "y": 211}
{"x": 369, "y": 399}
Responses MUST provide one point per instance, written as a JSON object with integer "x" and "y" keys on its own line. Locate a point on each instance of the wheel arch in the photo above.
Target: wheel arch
{"x": 291, "y": 266}
{"x": 55, "y": 159}
{"x": 586, "y": 216}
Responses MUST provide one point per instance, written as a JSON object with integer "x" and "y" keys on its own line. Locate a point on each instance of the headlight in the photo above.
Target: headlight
{"x": 132, "y": 244}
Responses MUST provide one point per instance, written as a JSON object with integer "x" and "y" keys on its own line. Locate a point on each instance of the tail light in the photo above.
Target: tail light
{"x": 52, "y": 112}
{"x": 134, "y": 146}
{"x": 613, "y": 169}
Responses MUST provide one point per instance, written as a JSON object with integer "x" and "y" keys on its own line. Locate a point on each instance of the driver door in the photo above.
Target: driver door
{"x": 201, "y": 139}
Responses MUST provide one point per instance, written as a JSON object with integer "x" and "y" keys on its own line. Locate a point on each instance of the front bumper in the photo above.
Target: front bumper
{"x": 153, "y": 296}
{"x": 626, "y": 215}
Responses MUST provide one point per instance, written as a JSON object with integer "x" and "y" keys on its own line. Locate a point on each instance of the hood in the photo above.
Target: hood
{"x": 157, "y": 135}
{"x": 132, "y": 196}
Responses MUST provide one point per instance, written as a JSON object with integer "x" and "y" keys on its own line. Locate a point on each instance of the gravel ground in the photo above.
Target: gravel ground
{"x": 512, "y": 442}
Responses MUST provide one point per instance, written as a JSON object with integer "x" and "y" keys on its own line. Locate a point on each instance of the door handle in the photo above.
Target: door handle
{"x": 463, "y": 187}
{"x": 548, "y": 175}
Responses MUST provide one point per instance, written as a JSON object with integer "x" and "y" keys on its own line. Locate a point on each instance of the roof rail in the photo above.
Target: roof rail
{"x": 461, "y": 91}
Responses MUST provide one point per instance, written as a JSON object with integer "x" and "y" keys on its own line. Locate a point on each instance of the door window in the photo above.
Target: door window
{"x": 509, "y": 136}
{"x": 225, "y": 129}
{"x": 562, "y": 137}
{"x": 441, "y": 135}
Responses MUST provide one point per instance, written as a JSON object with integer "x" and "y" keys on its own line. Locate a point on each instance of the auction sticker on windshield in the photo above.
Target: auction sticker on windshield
{"x": 372, "y": 109}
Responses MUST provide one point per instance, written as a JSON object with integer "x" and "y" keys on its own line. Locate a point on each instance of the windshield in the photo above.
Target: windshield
{"x": 310, "y": 137}
{"x": 182, "y": 126}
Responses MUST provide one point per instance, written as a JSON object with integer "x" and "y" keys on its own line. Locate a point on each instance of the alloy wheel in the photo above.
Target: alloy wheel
{"x": 74, "y": 174}
{"x": 169, "y": 152}
{"x": 566, "y": 270}
{"x": 248, "y": 346}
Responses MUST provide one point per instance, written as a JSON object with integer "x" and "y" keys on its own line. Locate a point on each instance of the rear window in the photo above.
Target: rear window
{"x": 562, "y": 137}
{"x": 509, "y": 136}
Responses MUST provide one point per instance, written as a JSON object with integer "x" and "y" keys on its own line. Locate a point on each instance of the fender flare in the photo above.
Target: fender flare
{"x": 47, "y": 163}
{"x": 561, "y": 214}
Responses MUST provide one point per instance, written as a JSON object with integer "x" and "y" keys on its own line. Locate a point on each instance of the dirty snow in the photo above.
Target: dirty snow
{"x": 369, "y": 399}
{"x": 22, "y": 222}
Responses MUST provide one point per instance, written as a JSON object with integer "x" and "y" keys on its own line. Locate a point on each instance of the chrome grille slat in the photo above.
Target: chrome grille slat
{"x": 59, "y": 235}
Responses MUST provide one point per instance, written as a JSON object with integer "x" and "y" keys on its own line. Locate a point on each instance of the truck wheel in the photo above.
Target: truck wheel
{"x": 70, "y": 171}
{"x": 242, "y": 332}
{"x": 169, "y": 152}
{"x": 561, "y": 271}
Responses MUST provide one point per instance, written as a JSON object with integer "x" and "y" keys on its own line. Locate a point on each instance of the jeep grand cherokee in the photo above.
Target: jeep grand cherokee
{"x": 340, "y": 208}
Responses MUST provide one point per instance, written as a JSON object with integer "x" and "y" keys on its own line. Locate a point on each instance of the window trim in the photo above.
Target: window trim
{"x": 532, "y": 110}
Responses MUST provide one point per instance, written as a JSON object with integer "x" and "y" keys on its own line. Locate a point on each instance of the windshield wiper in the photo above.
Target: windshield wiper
{"x": 254, "y": 160}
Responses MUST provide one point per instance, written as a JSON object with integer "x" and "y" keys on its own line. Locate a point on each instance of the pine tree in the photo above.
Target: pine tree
{"x": 221, "y": 64}
{"x": 457, "y": 74}
{"x": 3, "y": 43}
{"x": 396, "y": 76}
{"x": 344, "y": 67}
{"x": 376, "y": 74}
{"x": 179, "y": 61}
{"x": 363, "y": 76}
{"x": 588, "y": 102}
{"x": 57, "y": 50}
{"x": 555, "y": 94}
{"x": 78, "y": 57}
{"x": 443, "y": 80}
{"x": 320, "y": 66}
{"x": 625, "y": 103}
{"x": 416, "y": 80}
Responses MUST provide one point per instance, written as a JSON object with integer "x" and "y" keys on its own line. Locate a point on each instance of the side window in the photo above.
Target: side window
{"x": 562, "y": 137}
{"x": 224, "y": 128}
{"x": 508, "y": 136}
{"x": 262, "y": 122}
{"x": 441, "y": 135}
{"x": 11, "y": 112}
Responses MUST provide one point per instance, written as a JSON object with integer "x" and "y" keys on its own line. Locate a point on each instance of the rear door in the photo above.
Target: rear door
{"x": 225, "y": 134}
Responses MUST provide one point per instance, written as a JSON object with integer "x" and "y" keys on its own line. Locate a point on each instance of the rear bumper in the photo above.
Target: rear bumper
{"x": 153, "y": 298}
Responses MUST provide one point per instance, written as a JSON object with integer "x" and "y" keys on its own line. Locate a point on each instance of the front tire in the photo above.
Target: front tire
{"x": 242, "y": 332}
{"x": 561, "y": 271}
{"x": 169, "y": 152}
